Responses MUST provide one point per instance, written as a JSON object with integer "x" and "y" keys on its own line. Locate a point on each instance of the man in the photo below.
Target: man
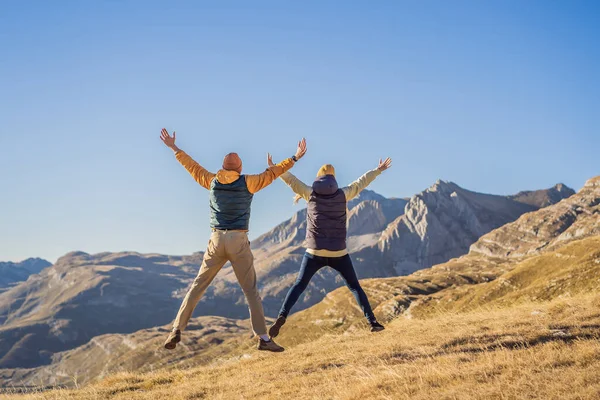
{"x": 230, "y": 199}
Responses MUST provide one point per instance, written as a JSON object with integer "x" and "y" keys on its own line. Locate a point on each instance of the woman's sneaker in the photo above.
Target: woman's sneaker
{"x": 269, "y": 345}
{"x": 376, "y": 327}
{"x": 274, "y": 329}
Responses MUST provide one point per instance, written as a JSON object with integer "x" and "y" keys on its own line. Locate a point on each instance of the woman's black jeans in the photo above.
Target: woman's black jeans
{"x": 310, "y": 265}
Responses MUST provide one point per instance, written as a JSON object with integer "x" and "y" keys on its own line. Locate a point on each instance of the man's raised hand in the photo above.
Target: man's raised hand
{"x": 383, "y": 165}
{"x": 301, "y": 151}
{"x": 168, "y": 140}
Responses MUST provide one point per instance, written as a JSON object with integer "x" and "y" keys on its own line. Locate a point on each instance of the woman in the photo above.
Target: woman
{"x": 326, "y": 236}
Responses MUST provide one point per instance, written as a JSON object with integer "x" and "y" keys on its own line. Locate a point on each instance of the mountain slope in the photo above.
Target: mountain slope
{"x": 545, "y": 351}
{"x": 568, "y": 267}
{"x": 82, "y": 296}
{"x": 138, "y": 351}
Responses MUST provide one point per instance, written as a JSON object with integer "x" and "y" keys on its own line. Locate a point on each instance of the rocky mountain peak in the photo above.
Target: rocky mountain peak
{"x": 442, "y": 186}
{"x": 544, "y": 197}
{"x": 562, "y": 188}
{"x": 442, "y": 221}
{"x": 364, "y": 196}
{"x": 593, "y": 183}
{"x": 73, "y": 255}
{"x": 30, "y": 263}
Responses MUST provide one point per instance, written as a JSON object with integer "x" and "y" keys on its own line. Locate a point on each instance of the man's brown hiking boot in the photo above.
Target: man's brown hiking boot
{"x": 269, "y": 346}
{"x": 173, "y": 339}
{"x": 274, "y": 329}
{"x": 376, "y": 327}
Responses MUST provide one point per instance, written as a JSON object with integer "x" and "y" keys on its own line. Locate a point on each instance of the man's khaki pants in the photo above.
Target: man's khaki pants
{"x": 226, "y": 246}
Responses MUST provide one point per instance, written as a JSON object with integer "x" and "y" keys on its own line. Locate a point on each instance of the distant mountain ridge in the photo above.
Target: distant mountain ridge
{"x": 82, "y": 296}
{"x": 14, "y": 272}
{"x": 543, "y": 198}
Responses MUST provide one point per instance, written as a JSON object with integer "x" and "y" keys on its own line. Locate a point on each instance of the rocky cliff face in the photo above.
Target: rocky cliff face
{"x": 440, "y": 223}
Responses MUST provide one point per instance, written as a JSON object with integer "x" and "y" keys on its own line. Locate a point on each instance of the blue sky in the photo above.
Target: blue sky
{"x": 497, "y": 96}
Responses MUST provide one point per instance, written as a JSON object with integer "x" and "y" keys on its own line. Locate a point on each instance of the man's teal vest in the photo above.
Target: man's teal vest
{"x": 230, "y": 205}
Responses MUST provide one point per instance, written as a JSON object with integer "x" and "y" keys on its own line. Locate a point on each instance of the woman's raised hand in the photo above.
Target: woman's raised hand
{"x": 383, "y": 165}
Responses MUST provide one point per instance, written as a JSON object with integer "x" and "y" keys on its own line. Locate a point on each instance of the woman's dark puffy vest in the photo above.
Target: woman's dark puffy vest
{"x": 326, "y": 216}
{"x": 230, "y": 205}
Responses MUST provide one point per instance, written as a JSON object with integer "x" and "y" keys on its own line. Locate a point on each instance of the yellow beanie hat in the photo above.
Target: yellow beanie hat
{"x": 326, "y": 169}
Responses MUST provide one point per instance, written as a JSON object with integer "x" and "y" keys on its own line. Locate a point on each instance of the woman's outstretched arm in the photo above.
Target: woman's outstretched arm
{"x": 297, "y": 186}
{"x": 352, "y": 190}
{"x": 301, "y": 189}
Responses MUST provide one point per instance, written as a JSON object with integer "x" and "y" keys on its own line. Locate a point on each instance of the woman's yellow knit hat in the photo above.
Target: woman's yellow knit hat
{"x": 326, "y": 169}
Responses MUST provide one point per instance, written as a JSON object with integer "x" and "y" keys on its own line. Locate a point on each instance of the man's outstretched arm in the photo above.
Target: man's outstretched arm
{"x": 200, "y": 175}
{"x": 352, "y": 190}
{"x": 261, "y": 181}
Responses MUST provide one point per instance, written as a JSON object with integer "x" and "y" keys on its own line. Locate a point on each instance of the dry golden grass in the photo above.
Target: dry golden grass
{"x": 533, "y": 350}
